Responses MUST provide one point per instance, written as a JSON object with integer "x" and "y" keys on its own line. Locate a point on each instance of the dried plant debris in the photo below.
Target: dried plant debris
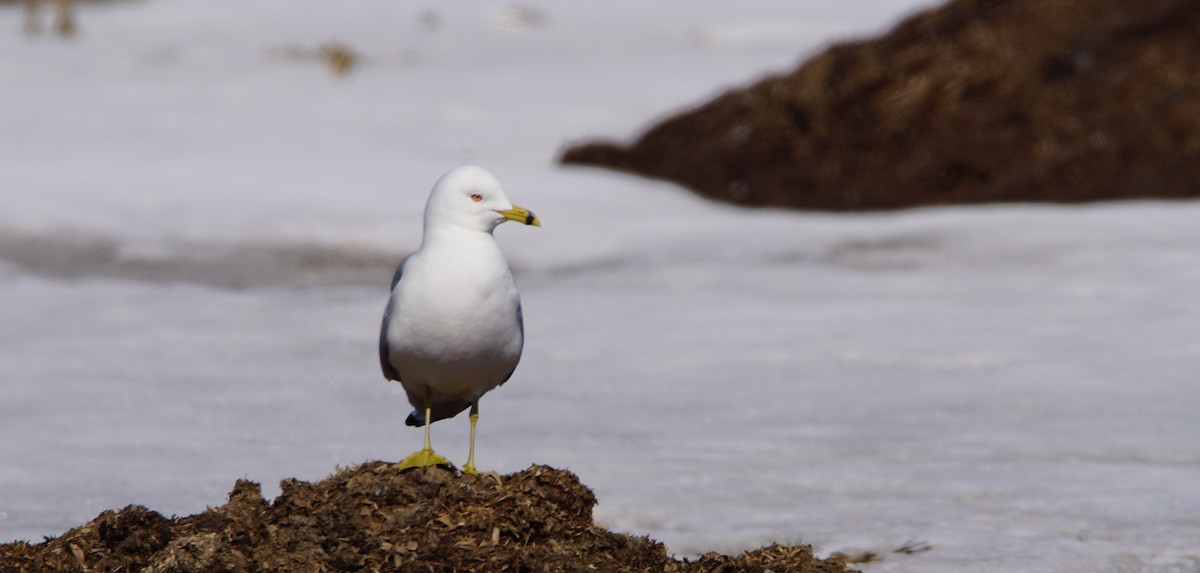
{"x": 517, "y": 18}
{"x": 340, "y": 58}
{"x": 977, "y": 101}
{"x": 375, "y": 518}
{"x": 860, "y": 556}
{"x": 913, "y": 547}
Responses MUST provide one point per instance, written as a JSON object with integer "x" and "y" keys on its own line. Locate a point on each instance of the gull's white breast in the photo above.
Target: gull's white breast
{"x": 455, "y": 319}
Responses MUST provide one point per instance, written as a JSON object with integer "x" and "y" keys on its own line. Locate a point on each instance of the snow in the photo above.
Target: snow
{"x": 198, "y": 230}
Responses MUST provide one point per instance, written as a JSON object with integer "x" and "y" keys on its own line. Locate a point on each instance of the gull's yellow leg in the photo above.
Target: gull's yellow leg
{"x": 470, "y": 467}
{"x": 425, "y": 457}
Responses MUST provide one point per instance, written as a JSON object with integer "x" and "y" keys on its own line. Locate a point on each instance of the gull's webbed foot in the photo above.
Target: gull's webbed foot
{"x": 423, "y": 459}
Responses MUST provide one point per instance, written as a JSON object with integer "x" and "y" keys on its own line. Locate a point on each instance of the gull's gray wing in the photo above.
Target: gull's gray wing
{"x": 521, "y": 326}
{"x": 385, "y": 362}
{"x": 521, "y": 322}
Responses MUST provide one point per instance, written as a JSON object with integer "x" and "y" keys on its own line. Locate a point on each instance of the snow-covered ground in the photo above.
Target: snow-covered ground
{"x": 197, "y": 230}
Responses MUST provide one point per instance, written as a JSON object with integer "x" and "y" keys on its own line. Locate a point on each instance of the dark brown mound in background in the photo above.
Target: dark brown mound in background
{"x": 977, "y": 101}
{"x": 374, "y": 518}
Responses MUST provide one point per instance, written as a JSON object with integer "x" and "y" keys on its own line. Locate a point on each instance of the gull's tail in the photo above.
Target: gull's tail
{"x": 441, "y": 411}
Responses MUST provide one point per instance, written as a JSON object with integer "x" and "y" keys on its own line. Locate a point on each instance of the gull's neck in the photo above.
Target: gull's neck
{"x": 443, "y": 233}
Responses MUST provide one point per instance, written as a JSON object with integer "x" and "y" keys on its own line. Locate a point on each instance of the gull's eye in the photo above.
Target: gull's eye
{"x": 476, "y": 197}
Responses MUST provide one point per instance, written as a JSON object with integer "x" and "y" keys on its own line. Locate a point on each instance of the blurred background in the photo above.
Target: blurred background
{"x": 201, "y": 204}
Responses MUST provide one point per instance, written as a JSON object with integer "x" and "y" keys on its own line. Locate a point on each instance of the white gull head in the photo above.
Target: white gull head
{"x": 470, "y": 198}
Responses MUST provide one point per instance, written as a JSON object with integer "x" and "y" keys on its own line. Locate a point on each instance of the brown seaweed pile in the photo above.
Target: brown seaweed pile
{"x": 976, "y": 101}
{"x": 375, "y": 518}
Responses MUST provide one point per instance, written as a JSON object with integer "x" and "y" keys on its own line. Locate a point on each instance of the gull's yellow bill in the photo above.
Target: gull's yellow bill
{"x": 521, "y": 215}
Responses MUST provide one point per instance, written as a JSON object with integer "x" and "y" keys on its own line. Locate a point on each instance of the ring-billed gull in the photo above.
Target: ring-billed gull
{"x": 452, "y": 329}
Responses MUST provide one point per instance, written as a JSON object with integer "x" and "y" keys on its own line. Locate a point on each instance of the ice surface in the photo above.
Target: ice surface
{"x": 198, "y": 230}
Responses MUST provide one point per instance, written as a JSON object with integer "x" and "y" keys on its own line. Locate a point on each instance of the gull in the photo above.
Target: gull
{"x": 452, "y": 329}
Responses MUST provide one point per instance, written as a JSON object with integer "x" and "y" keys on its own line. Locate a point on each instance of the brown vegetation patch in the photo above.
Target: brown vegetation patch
{"x": 376, "y": 518}
{"x": 976, "y": 101}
